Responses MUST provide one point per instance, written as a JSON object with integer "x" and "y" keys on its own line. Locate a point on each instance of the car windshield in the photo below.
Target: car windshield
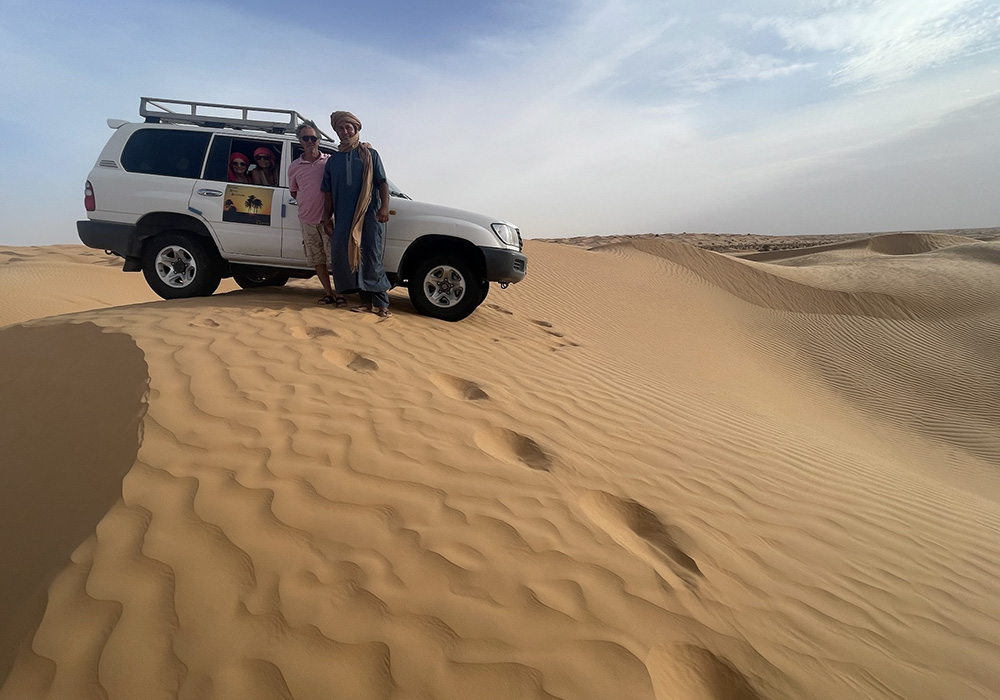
{"x": 395, "y": 191}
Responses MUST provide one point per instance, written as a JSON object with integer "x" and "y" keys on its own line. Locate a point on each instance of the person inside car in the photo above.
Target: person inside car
{"x": 238, "y": 164}
{"x": 266, "y": 172}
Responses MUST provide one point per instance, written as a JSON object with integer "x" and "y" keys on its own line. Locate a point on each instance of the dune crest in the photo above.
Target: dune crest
{"x": 760, "y": 286}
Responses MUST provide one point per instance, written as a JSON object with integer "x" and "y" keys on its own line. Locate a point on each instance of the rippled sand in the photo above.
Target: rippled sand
{"x": 648, "y": 471}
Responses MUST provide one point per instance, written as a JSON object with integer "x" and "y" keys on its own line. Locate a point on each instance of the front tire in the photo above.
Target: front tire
{"x": 447, "y": 287}
{"x": 177, "y": 265}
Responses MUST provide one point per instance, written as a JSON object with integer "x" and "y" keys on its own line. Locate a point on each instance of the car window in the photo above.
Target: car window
{"x": 393, "y": 190}
{"x": 168, "y": 152}
{"x": 217, "y": 167}
{"x": 234, "y": 159}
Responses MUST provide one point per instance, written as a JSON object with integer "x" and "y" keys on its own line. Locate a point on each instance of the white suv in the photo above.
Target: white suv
{"x": 160, "y": 197}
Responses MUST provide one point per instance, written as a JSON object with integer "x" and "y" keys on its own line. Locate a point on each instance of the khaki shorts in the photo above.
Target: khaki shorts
{"x": 316, "y": 244}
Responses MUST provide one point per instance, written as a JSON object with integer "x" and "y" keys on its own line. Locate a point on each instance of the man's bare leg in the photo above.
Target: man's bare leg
{"x": 324, "y": 278}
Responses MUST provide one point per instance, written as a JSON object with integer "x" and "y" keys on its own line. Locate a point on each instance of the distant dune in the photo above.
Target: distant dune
{"x": 742, "y": 242}
{"x": 651, "y": 470}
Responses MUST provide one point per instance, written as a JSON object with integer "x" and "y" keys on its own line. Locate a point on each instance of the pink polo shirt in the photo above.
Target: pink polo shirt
{"x": 304, "y": 178}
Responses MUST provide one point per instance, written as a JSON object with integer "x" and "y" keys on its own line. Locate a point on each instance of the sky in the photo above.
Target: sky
{"x": 566, "y": 117}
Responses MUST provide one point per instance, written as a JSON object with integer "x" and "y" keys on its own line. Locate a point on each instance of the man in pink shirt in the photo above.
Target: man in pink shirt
{"x": 305, "y": 175}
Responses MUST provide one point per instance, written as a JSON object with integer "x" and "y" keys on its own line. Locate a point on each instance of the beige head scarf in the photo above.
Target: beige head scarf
{"x": 347, "y": 145}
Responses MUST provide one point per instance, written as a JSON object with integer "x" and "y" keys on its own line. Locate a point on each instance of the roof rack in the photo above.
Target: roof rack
{"x": 156, "y": 110}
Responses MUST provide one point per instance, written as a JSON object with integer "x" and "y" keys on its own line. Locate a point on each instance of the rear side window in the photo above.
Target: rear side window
{"x": 166, "y": 152}
{"x": 218, "y": 159}
{"x": 235, "y": 158}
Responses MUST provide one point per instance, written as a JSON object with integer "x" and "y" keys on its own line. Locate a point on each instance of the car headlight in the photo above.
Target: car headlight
{"x": 507, "y": 234}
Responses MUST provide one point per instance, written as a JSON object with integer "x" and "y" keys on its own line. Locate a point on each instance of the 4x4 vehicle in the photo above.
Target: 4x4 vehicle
{"x": 160, "y": 197}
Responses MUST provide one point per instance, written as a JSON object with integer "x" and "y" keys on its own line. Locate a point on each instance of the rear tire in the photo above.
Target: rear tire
{"x": 446, "y": 286}
{"x": 178, "y": 264}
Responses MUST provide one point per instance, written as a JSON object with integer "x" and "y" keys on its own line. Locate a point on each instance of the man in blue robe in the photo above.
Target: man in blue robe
{"x": 356, "y": 198}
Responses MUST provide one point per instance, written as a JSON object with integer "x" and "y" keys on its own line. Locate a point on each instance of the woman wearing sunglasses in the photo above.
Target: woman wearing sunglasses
{"x": 266, "y": 172}
{"x": 238, "y": 164}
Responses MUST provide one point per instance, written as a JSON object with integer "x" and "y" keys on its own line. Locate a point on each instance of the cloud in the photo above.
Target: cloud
{"x": 936, "y": 176}
{"x": 879, "y": 43}
{"x": 711, "y": 68}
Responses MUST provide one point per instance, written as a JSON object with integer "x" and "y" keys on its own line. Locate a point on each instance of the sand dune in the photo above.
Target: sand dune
{"x": 48, "y": 280}
{"x": 648, "y": 471}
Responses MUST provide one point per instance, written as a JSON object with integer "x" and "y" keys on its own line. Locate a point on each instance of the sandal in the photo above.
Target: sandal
{"x": 383, "y": 312}
{"x": 340, "y": 300}
{"x": 326, "y": 300}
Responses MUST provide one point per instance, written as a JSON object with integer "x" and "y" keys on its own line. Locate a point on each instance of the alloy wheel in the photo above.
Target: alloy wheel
{"x": 176, "y": 266}
{"x": 444, "y": 285}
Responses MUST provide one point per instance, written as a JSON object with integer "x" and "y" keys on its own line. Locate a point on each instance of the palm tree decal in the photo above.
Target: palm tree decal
{"x": 253, "y": 204}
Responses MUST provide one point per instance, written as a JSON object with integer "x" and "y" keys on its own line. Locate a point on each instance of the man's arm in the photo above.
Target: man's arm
{"x": 327, "y": 221}
{"x": 326, "y": 187}
{"x": 382, "y": 214}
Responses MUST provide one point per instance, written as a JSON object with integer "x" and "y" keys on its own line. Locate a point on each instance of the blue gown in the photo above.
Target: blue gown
{"x": 342, "y": 179}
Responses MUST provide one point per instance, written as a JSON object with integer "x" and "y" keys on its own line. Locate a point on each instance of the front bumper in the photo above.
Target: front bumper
{"x": 107, "y": 235}
{"x": 503, "y": 265}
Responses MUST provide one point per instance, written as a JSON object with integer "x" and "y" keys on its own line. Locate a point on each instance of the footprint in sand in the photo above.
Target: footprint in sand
{"x": 502, "y": 310}
{"x": 351, "y": 360}
{"x": 639, "y": 530}
{"x": 690, "y": 672}
{"x": 311, "y": 333}
{"x": 513, "y": 447}
{"x": 458, "y": 388}
{"x": 549, "y": 328}
{"x": 210, "y": 322}
{"x": 321, "y": 332}
{"x": 264, "y": 313}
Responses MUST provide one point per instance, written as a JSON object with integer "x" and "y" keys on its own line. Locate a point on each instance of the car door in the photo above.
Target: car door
{"x": 291, "y": 230}
{"x": 246, "y": 217}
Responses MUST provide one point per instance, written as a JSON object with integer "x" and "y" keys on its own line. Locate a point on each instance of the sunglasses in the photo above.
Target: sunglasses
{"x": 308, "y": 139}
{"x": 239, "y": 162}
{"x": 262, "y": 157}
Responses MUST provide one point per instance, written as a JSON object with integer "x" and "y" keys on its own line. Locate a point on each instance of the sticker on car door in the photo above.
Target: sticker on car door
{"x": 246, "y": 204}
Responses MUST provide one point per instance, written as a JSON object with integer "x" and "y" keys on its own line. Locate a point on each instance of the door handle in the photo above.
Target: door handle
{"x": 209, "y": 193}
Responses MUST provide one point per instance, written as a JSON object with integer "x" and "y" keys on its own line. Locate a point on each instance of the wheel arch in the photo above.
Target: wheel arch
{"x": 158, "y": 222}
{"x": 425, "y": 246}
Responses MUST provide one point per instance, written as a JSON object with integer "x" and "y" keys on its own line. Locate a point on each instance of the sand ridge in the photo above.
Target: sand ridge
{"x": 647, "y": 469}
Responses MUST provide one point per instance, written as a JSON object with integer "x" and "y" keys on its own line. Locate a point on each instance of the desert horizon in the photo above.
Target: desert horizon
{"x": 663, "y": 466}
